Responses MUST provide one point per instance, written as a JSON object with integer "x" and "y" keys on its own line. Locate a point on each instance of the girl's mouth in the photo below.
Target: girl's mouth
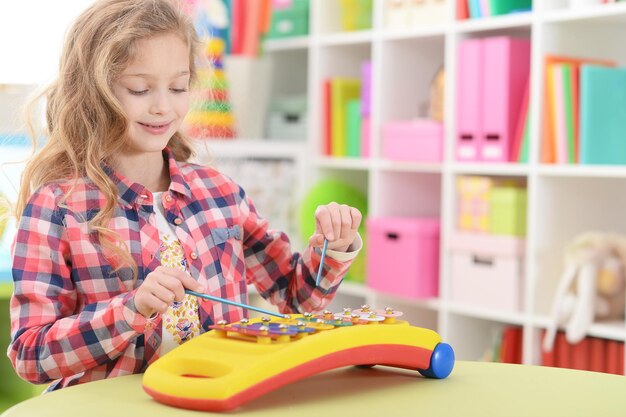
{"x": 156, "y": 129}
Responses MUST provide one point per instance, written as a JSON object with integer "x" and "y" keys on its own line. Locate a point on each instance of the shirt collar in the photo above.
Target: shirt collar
{"x": 130, "y": 192}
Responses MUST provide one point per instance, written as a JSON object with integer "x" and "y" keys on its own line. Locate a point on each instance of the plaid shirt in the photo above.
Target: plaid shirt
{"x": 73, "y": 317}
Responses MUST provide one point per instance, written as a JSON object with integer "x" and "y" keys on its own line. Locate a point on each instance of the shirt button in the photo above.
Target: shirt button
{"x": 193, "y": 255}
{"x": 168, "y": 198}
{"x": 177, "y": 221}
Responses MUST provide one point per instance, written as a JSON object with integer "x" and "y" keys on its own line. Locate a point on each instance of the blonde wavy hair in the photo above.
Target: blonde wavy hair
{"x": 86, "y": 125}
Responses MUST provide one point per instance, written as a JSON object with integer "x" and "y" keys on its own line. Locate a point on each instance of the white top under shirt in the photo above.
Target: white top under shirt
{"x": 181, "y": 322}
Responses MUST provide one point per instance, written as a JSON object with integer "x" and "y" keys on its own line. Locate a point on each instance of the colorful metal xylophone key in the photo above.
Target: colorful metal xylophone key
{"x": 237, "y": 362}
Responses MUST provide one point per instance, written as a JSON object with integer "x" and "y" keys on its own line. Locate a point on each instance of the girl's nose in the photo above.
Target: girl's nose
{"x": 160, "y": 103}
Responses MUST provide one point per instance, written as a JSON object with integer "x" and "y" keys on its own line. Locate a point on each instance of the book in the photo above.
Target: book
{"x": 342, "y": 91}
{"x": 548, "y": 141}
{"x": 520, "y": 129}
{"x": 597, "y": 354}
{"x": 581, "y": 355}
{"x": 602, "y": 110}
{"x": 326, "y": 117}
{"x": 500, "y": 7}
{"x": 353, "y": 128}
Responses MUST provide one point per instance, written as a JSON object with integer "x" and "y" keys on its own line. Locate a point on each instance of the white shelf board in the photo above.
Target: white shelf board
{"x": 397, "y": 166}
{"x": 487, "y": 314}
{"x": 346, "y": 38}
{"x": 516, "y": 20}
{"x": 259, "y": 148}
{"x": 343, "y": 163}
{"x": 575, "y": 170}
{"x": 287, "y": 44}
{"x": 503, "y": 169}
{"x": 614, "y": 330}
{"x": 602, "y": 13}
{"x": 415, "y": 33}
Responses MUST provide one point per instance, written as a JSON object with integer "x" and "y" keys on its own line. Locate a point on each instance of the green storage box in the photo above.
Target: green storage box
{"x": 500, "y": 7}
{"x": 292, "y": 21}
{"x": 508, "y": 211}
{"x": 356, "y": 14}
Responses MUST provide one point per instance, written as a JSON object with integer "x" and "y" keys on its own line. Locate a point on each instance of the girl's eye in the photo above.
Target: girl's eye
{"x": 179, "y": 90}
{"x": 137, "y": 93}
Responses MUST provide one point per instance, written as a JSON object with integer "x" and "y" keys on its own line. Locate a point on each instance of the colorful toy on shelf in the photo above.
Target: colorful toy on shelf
{"x": 592, "y": 286}
{"x": 235, "y": 363}
{"x": 210, "y": 114}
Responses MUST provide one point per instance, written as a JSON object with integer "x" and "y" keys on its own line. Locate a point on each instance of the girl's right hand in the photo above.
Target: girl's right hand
{"x": 161, "y": 288}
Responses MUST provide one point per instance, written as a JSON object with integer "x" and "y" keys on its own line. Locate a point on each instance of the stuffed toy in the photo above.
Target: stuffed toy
{"x": 591, "y": 287}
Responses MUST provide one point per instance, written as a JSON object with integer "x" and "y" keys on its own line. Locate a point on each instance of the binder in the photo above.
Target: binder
{"x": 614, "y": 357}
{"x": 562, "y": 110}
{"x": 506, "y": 69}
{"x": 569, "y": 103}
{"x": 563, "y": 351}
{"x": 548, "y": 142}
{"x": 474, "y": 8}
{"x": 597, "y": 362}
{"x": 485, "y": 8}
{"x": 581, "y": 355}
{"x": 470, "y": 86}
{"x": 252, "y": 27}
{"x": 521, "y": 126}
{"x": 237, "y": 30}
{"x": 461, "y": 10}
{"x": 511, "y": 348}
{"x": 326, "y": 117}
{"x": 557, "y": 106}
{"x": 548, "y": 357}
{"x": 602, "y": 121}
{"x": 342, "y": 91}
{"x": 353, "y": 128}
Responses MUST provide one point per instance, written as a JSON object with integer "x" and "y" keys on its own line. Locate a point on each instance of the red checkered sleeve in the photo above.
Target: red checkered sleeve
{"x": 286, "y": 278}
{"x": 55, "y": 334}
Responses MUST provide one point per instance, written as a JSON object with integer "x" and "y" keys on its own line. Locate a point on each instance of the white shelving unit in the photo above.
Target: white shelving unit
{"x": 563, "y": 200}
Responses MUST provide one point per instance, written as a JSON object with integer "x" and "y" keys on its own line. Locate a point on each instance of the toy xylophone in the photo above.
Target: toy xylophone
{"x": 235, "y": 363}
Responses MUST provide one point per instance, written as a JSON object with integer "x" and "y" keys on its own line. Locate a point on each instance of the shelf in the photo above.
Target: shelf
{"x": 614, "y": 330}
{"x": 487, "y": 314}
{"x": 517, "y": 20}
{"x": 490, "y": 169}
{"x": 394, "y": 166}
{"x": 583, "y": 171}
{"x": 251, "y": 148}
{"x": 346, "y": 38}
{"x": 286, "y": 44}
{"x": 415, "y": 33}
{"x": 608, "y": 13}
{"x": 562, "y": 200}
{"x": 343, "y": 163}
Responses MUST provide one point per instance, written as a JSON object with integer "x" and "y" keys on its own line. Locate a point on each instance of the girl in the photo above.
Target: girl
{"x": 114, "y": 224}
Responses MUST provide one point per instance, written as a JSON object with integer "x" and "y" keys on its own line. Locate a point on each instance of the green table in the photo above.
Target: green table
{"x": 473, "y": 389}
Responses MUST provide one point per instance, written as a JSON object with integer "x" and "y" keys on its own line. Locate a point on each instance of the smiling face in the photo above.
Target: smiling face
{"x": 154, "y": 92}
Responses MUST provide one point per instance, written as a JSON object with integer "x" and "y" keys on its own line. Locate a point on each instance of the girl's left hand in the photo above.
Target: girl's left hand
{"x": 338, "y": 223}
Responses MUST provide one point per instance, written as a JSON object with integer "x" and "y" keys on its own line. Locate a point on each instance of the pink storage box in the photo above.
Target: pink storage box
{"x": 413, "y": 141}
{"x": 487, "y": 271}
{"x": 403, "y": 256}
